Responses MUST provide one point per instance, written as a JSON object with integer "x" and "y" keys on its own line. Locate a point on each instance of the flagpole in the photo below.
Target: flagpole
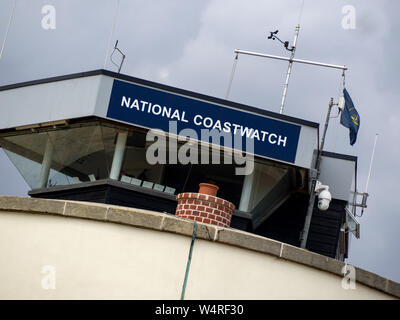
{"x": 315, "y": 176}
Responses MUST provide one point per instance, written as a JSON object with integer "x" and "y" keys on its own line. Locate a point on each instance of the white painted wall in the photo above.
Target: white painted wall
{"x": 338, "y": 174}
{"x": 308, "y": 143}
{"x": 99, "y": 260}
{"x": 51, "y": 101}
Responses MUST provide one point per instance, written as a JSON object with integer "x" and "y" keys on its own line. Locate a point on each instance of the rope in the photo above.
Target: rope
{"x": 231, "y": 77}
{"x": 189, "y": 260}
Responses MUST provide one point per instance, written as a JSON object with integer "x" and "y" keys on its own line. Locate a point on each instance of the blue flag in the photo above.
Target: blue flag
{"x": 350, "y": 118}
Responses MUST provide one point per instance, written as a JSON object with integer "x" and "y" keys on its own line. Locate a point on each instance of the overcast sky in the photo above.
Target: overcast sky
{"x": 189, "y": 44}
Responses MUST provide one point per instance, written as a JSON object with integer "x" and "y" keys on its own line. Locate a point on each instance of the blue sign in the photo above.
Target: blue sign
{"x": 154, "y": 109}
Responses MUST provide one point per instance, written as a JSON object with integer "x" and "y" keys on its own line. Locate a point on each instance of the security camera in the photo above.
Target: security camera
{"x": 324, "y": 196}
{"x": 324, "y": 199}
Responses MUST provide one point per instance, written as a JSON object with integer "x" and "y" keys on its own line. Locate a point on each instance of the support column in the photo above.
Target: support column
{"x": 118, "y": 155}
{"x": 307, "y": 222}
{"x": 46, "y": 164}
{"x": 249, "y": 184}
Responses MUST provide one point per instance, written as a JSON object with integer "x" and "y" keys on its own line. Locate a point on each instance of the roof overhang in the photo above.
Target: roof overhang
{"x": 152, "y": 105}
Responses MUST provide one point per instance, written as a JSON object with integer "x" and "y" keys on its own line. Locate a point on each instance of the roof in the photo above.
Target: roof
{"x": 107, "y": 95}
{"x": 339, "y": 156}
{"x": 162, "y": 87}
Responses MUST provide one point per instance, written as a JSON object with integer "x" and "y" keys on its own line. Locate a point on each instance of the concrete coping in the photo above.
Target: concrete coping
{"x": 170, "y": 223}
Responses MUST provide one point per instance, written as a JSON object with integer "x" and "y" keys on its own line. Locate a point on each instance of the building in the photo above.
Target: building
{"x": 61, "y": 249}
{"x": 83, "y": 137}
{"x": 87, "y": 137}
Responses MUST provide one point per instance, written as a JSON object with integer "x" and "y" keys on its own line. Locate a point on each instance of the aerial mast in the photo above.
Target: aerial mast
{"x": 291, "y": 60}
{"x": 289, "y": 70}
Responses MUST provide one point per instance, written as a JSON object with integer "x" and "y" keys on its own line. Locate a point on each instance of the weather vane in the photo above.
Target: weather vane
{"x": 273, "y": 36}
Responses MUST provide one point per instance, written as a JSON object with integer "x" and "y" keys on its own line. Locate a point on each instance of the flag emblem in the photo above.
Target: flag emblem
{"x": 350, "y": 117}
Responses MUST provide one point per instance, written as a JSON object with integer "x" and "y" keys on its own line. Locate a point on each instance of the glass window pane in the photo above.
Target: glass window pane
{"x": 76, "y": 154}
{"x": 28, "y": 168}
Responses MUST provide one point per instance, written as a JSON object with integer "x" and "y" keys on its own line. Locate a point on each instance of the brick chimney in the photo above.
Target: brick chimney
{"x": 205, "y": 208}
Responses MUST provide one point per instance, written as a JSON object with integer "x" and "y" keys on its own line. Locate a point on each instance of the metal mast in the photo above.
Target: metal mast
{"x": 291, "y": 59}
{"x": 315, "y": 175}
{"x": 289, "y": 70}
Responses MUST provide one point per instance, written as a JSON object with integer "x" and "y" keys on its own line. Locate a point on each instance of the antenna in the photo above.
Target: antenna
{"x": 122, "y": 54}
{"x": 370, "y": 165}
{"x": 291, "y": 59}
{"x": 289, "y": 70}
{"x": 8, "y": 28}
{"x": 111, "y": 34}
{"x": 365, "y": 194}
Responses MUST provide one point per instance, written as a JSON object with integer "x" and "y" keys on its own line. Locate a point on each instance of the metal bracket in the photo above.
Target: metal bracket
{"x": 122, "y": 54}
{"x": 363, "y": 203}
{"x": 312, "y": 177}
{"x": 319, "y": 187}
{"x": 351, "y": 220}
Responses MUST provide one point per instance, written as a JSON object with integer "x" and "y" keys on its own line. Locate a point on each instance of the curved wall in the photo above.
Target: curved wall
{"x": 144, "y": 255}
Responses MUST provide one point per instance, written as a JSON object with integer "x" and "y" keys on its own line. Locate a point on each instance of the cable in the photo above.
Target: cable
{"x": 189, "y": 261}
{"x": 231, "y": 77}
